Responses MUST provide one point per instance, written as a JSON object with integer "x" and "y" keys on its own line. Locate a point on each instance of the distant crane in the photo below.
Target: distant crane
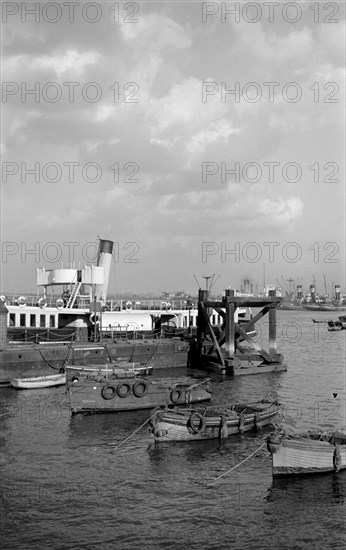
{"x": 291, "y": 290}
{"x": 285, "y": 285}
{"x": 325, "y": 285}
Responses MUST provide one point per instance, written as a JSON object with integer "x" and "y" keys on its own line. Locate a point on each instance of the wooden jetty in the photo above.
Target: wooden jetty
{"x": 233, "y": 351}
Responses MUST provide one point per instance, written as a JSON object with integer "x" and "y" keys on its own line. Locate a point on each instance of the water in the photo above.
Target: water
{"x": 66, "y": 483}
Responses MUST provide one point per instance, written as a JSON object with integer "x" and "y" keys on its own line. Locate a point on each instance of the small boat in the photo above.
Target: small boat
{"x": 334, "y": 325}
{"x": 39, "y": 381}
{"x": 308, "y": 453}
{"x": 342, "y": 320}
{"x": 122, "y": 367}
{"x": 211, "y": 423}
{"x": 320, "y": 320}
{"x": 124, "y": 392}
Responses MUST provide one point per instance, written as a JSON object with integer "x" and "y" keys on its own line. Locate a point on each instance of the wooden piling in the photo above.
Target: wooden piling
{"x": 223, "y": 348}
{"x": 272, "y": 326}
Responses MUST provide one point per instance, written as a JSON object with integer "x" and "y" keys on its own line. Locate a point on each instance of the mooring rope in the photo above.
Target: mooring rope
{"x": 133, "y": 433}
{"x": 242, "y": 462}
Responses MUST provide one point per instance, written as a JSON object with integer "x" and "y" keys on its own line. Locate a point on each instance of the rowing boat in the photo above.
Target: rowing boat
{"x": 193, "y": 424}
{"x": 307, "y": 453}
{"x": 39, "y": 381}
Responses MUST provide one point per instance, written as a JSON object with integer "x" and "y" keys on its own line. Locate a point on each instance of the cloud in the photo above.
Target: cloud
{"x": 280, "y": 212}
{"x": 157, "y": 32}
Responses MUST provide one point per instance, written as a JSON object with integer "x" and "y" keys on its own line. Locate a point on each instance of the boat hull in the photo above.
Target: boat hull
{"x": 98, "y": 394}
{"x": 39, "y": 382}
{"x": 191, "y": 425}
{"x": 306, "y": 456}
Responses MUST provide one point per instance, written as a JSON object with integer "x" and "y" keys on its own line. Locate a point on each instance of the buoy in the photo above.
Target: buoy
{"x": 94, "y": 318}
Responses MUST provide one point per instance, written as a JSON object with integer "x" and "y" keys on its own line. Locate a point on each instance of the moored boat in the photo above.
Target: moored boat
{"x": 122, "y": 367}
{"x": 334, "y": 325}
{"x": 124, "y": 392}
{"x": 39, "y": 381}
{"x": 193, "y": 424}
{"x": 307, "y": 453}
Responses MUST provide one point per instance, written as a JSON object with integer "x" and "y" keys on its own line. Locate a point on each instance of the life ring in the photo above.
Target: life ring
{"x": 123, "y": 390}
{"x": 129, "y": 306}
{"x": 21, "y": 301}
{"x": 140, "y": 388}
{"x": 163, "y": 305}
{"x": 60, "y": 303}
{"x": 168, "y": 306}
{"x": 199, "y": 419}
{"x": 176, "y": 396}
{"x": 3, "y": 299}
{"x": 94, "y": 319}
{"x": 42, "y": 303}
{"x": 108, "y": 392}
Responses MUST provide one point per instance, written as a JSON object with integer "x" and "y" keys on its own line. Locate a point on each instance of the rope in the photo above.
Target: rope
{"x": 49, "y": 365}
{"x": 242, "y": 462}
{"x": 133, "y": 433}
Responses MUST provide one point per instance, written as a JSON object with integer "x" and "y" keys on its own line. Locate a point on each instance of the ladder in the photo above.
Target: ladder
{"x": 72, "y": 298}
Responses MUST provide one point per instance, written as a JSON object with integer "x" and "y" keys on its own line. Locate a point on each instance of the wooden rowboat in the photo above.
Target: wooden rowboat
{"x": 308, "y": 453}
{"x": 334, "y": 325}
{"x": 108, "y": 369}
{"x": 39, "y": 381}
{"x": 195, "y": 424}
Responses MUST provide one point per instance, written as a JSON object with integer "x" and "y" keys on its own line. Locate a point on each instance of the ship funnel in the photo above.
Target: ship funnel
{"x": 337, "y": 292}
{"x": 299, "y": 292}
{"x": 104, "y": 259}
{"x": 313, "y": 293}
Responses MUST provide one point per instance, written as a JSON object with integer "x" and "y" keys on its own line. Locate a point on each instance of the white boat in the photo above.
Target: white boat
{"x": 307, "y": 453}
{"x": 39, "y": 381}
{"x": 108, "y": 369}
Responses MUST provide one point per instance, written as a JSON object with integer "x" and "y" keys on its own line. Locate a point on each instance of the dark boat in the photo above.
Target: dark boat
{"x": 118, "y": 392}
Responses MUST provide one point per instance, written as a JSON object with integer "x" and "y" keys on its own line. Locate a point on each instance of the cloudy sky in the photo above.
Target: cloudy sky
{"x": 119, "y": 121}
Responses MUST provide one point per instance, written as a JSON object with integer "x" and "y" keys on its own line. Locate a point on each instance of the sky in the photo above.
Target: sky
{"x": 201, "y": 142}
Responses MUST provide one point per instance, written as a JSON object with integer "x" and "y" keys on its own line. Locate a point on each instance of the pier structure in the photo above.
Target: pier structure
{"x": 232, "y": 349}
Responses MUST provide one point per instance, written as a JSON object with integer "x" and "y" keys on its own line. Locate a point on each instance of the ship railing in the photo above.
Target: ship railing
{"x": 148, "y": 305}
{"x": 82, "y": 301}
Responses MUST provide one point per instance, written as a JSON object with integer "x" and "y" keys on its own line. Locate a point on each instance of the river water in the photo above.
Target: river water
{"x": 67, "y": 484}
